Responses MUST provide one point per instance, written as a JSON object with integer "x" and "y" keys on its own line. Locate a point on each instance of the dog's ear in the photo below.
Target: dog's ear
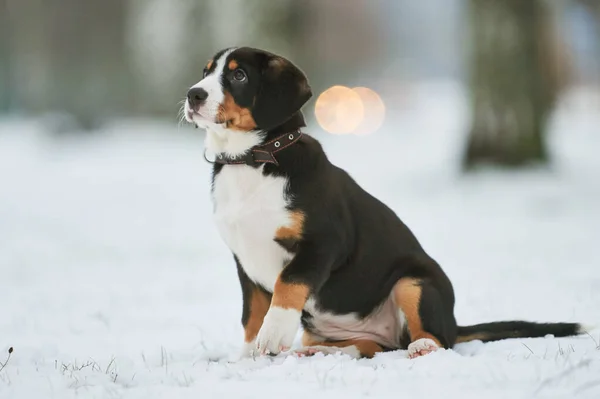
{"x": 283, "y": 90}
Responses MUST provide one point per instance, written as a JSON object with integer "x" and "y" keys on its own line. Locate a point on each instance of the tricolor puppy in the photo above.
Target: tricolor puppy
{"x": 311, "y": 247}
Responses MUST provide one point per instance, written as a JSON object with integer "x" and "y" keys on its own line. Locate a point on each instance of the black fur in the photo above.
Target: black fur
{"x": 518, "y": 329}
{"x": 248, "y": 286}
{"x": 275, "y": 89}
{"x": 354, "y": 247}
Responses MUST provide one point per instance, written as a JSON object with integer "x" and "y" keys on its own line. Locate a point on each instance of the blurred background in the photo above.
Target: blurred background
{"x": 477, "y": 121}
{"x": 82, "y": 64}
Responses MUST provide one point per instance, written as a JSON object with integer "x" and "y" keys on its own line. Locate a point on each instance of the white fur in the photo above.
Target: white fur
{"x": 249, "y": 208}
{"x": 421, "y": 344}
{"x": 278, "y": 330}
{"x": 212, "y": 84}
{"x": 230, "y": 142}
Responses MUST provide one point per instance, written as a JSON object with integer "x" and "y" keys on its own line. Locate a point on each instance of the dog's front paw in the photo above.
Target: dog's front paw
{"x": 278, "y": 330}
{"x": 248, "y": 350}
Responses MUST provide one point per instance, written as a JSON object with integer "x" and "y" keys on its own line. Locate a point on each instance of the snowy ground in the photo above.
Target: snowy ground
{"x": 114, "y": 282}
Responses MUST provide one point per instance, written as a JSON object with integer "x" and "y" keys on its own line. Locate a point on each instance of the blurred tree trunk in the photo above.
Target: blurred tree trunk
{"x": 5, "y": 59}
{"x": 89, "y": 60}
{"x": 71, "y": 58}
{"x": 593, "y": 6}
{"x": 514, "y": 82}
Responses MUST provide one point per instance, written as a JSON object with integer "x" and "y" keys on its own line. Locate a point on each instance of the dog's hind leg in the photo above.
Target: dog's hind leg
{"x": 429, "y": 316}
{"x": 356, "y": 348}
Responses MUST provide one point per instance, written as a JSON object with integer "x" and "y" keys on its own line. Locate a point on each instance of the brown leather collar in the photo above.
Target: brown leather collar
{"x": 264, "y": 153}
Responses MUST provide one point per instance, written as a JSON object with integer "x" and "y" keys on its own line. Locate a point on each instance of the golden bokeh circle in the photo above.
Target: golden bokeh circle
{"x": 339, "y": 110}
{"x": 374, "y": 111}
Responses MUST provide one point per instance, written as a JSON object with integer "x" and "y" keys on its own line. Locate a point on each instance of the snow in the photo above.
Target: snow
{"x": 115, "y": 284}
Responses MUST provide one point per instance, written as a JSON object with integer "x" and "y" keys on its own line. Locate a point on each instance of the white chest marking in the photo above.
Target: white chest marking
{"x": 249, "y": 208}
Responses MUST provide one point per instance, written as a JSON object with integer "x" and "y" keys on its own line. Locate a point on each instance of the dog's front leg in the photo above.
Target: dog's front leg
{"x": 303, "y": 276}
{"x": 256, "y": 302}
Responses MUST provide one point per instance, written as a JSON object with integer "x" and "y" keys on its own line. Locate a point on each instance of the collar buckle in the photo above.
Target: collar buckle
{"x": 249, "y": 158}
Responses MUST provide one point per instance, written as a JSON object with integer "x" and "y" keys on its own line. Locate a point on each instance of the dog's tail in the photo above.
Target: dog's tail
{"x": 495, "y": 331}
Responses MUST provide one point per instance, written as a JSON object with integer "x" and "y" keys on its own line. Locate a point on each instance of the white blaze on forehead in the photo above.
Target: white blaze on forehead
{"x": 219, "y": 138}
{"x": 214, "y": 88}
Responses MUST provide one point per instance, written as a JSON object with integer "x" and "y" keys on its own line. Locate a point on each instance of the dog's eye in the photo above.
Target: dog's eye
{"x": 239, "y": 75}
{"x": 204, "y": 72}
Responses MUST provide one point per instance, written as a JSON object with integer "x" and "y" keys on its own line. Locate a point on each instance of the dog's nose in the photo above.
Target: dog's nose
{"x": 196, "y": 96}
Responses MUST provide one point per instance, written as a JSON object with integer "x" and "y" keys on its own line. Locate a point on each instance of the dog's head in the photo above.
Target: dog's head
{"x": 247, "y": 89}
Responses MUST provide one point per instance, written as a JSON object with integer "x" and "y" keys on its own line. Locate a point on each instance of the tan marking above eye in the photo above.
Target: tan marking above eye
{"x": 209, "y": 64}
{"x": 232, "y": 65}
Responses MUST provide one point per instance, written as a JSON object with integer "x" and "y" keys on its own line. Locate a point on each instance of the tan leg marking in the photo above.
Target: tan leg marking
{"x": 366, "y": 347}
{"x": 289, "y": 295}
{"x": 259, "y": 305}
{"x": 294, "y": 230}
{"x": 309, "y": 339}
{"x": 407, "y": 293}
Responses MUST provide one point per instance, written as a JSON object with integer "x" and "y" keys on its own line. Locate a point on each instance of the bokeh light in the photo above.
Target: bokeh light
{"x": 339, "y": 110}
{"x": 342, "y": 110}
{"x": 374, "y": 111}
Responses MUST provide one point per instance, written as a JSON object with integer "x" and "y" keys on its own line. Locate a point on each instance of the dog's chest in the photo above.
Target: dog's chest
{"x": 249, "y": 208}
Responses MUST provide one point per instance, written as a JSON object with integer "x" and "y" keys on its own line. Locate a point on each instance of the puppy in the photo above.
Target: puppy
{"x": 311, "y": 247}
